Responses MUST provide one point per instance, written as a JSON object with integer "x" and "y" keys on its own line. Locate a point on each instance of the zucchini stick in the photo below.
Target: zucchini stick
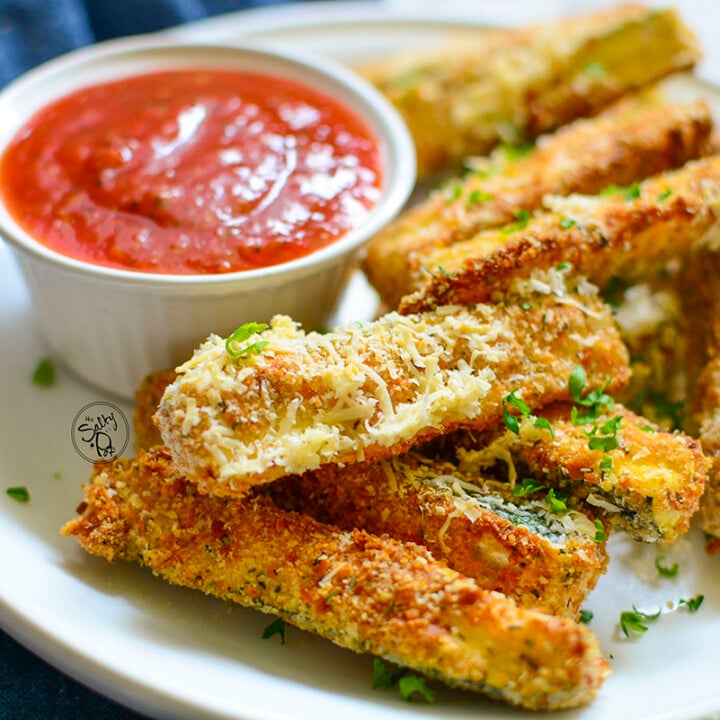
{"x": 517, "y": 546}
{"x": 701, "y": 310}
{"x": 372, "y": 391}
{"x": 649, "y": 481}
{"x": 509, "y": 85}
{"x": 619, "y": 147}
{"x": 364, "y": 592}
{"x": 630, "y": 233}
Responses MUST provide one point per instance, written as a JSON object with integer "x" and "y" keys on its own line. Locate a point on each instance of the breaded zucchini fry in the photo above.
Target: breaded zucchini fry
{"x": 514, "y": 545}
{"x": 617, "y": 148}
{"x": 509, "y": 544}
{"x": 630, "y": 233}
{"x": 371, "y": 391}
{"x": 649, "y": 485}
{"x": 363, "y": 592}
{"x": 463, "y": 100}
{"x": 701, "y": 300}
{"x": 706, "y": 408}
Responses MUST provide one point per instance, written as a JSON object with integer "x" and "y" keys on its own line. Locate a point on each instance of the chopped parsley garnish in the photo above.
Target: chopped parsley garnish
{"x": 452, "y": 191}
{"x": 522, "y": 218}
{"x": 606, "y": 464}
{"x": 275, "y": 628}
{"x": 595, "y": 70}
{"x": 631, "y": 192}
{"x": 561, "y": 266}
{"x": 517, "y": 402}
{"x": 511, "y": 421}
{"x": 664, "y": 195}
{"x": 585, "y": 616}
{"x": 19, "y": 493}
{"x": 634, "y": 621}
{"x": 414, "y": 686}
{"x": 611, "y": 190}
{"x": 595, "y": 401}
{"x": 44, "y": 373}
{"x": 603, "y": 436}
{"x": 567, "y": 223}
{"x": 233, "y": 345}
{"x": 600, "y": 534}
{"x": 692, "y": 604}
{"x": 526, "y": 306}
{"x": 556, "y": 501}
{"x": 479, "y": 196}
{"x": 664, "y": 570}
{"x": 545, "y": 424}
{"x": 527, "y": 487}
{"x": 410, "y": 686}
{"x": 384, "y": 676}
{"x": 517, "y": 150}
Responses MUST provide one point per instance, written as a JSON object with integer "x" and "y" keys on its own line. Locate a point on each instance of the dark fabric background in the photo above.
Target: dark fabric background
{"x": 32, "y": 31}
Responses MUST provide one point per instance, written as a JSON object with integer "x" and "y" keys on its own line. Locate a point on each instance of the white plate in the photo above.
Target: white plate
{"x": 174, "y": 653}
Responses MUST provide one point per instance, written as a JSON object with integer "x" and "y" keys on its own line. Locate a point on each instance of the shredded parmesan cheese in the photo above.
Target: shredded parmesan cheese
{"x": 443, "y": 361}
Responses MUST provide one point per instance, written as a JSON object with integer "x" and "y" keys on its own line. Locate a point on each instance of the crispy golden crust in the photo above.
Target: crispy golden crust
{"x": 463, "y": 100}
{"x": 371, "y": 392}
{"x": 701, "y": 298}
{"x": 413, "y": 499}
{"x": 706, "y": 404}
{"x": 651, "y": 484}
{"x": 619, "y": 147}
{"x": 363, "y": 592}
{"x": 515, "y": 546}
{"x": 629, "y": 234}
{"x": 147, "y": 398}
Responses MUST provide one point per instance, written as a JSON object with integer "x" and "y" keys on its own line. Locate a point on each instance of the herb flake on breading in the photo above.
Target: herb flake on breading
{"x": 234, "y": 347}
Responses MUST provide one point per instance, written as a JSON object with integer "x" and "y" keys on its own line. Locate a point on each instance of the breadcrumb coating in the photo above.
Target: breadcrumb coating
{"x": 372, "y": 391}
{"x": 620, "y": 147}
{"x": 631, "y": 234}
{"x": 514, "y": 545}
{"x": 701, "y": 309}
{"x": 364, "y": 592}
{"x": 650, "y": 485}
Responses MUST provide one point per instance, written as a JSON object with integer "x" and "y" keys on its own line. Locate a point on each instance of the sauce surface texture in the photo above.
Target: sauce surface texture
{"x": 192, "y": 172}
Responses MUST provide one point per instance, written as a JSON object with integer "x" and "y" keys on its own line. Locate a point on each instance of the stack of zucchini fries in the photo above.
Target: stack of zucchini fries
{"x": 436, "y": 487}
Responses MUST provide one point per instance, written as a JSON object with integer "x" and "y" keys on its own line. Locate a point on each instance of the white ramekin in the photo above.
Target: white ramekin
{"x": 111, "y": 327}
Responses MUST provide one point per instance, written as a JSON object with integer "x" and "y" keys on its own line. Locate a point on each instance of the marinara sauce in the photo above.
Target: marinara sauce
{"x": 190, "y": 172}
